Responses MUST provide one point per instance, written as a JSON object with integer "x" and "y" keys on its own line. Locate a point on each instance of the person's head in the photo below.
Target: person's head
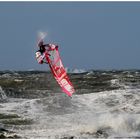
{"x": 40, "y": 43}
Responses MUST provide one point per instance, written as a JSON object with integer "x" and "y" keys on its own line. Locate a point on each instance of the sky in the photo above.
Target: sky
{"x": 90, "y": 35}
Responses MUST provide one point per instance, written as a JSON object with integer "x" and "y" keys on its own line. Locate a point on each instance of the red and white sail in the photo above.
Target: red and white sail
{"x": 58, "y": 70}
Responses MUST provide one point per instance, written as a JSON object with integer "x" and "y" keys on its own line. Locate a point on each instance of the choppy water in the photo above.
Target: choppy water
{"x": 106, "y": 105}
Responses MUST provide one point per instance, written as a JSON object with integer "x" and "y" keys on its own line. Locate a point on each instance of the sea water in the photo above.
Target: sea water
{"x": 106, "y": 105}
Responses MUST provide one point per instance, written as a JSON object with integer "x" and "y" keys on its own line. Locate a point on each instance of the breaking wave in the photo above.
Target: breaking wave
{"x": 106, "y": 105}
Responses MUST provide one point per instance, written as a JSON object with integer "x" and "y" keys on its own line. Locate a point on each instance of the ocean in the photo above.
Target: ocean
{"x": 106, "y": 105}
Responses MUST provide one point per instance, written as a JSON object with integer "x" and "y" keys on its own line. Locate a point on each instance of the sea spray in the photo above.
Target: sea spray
{"x": 2, "y": 94}
{"x": 41, "y": 35}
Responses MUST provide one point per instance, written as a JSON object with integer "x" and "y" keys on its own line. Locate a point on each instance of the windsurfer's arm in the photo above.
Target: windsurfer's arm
{"x": 51, "y": 47}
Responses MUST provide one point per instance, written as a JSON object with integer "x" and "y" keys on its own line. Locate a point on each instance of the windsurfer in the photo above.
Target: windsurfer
{"x": 48, "y": 53}
{"x": 44, "y": 50}
{"x": 40, "y": 53}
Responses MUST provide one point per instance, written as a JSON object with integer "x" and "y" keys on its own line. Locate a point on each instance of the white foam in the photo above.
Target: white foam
{"x": 2, "y": 93}
{"x": 116, "y": 112}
